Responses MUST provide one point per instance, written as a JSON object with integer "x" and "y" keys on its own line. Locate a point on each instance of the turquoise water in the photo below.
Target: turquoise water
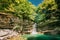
{"x": 41, "y": 37}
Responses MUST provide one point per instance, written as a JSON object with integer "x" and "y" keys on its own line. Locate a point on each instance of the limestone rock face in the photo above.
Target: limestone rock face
{"x": 6, "y": 34}
{"x": 8, "y": 20}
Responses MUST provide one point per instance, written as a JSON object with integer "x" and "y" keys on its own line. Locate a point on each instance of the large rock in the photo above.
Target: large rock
{"x": 8, "y": 20}
{"x": 6, "y": 34}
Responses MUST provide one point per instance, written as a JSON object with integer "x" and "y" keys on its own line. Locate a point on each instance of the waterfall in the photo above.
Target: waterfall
{"x": 34, "y": 29}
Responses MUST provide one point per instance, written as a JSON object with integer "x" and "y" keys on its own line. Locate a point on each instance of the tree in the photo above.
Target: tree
{"x": 5, "y": 4}
{"x": 21, "y": 8}
{"x": 49, "y": 8}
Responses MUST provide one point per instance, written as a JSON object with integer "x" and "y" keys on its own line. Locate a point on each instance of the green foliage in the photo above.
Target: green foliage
{"x": 5, "y": 4}
{"x": 39, "y": 17}
{"x": 51, "y": 11}
{"x": 21, "y": 8}
{"x": 48, "y": 7}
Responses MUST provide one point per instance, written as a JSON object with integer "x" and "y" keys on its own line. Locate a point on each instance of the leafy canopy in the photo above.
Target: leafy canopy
{"x": 21, "y": 8}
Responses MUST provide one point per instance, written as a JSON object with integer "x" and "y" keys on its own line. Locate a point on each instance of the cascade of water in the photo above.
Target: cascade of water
{"x": 34, "y": 29}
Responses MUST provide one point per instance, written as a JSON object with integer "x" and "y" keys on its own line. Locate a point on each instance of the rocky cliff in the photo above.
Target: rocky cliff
{"x": 8, "y": 20}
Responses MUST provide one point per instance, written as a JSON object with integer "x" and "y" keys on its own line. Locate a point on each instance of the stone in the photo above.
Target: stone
{"x": 8, "y": 20}
{"x": 7, "y": 34}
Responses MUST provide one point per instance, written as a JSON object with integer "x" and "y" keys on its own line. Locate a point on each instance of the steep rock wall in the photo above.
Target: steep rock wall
{"x": 8, "y": 20}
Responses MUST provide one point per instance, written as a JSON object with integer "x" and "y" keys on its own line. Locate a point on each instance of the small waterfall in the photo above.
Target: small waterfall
{"x": 34, "y": 29}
